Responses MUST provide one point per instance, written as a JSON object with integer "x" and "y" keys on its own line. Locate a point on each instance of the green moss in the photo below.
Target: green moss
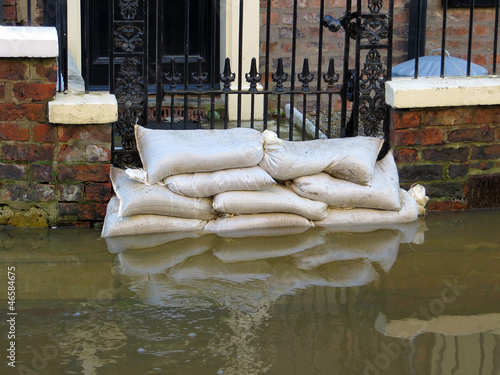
{"x": 32, "y": 218}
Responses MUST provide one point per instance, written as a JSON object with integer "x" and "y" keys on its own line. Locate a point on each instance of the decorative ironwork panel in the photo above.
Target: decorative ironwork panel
{"x": 129, "y": 69}
{"x": 374, "y": 36}
{"x": 374, "y": 29}
{"x": 372, "y": 107}
{"x": 129, "y": 38}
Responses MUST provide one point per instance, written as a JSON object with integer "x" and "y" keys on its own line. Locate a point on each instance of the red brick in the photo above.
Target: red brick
{"x": 44, "y": 133}
{"x": 457, "y": 31}
{"x": 481, "y": 134}
{"x": 70, "y": 153}
{"x": 75, "y": 223}
{"x": 84, "y": 172}
{"x": 286, "y": 4}
{"x": 79, "y": 211}
{"x": 17, "y": 152}
{"x": 93, "y": 133}
{"x": 482, "y": 30}
{"x": 41, "y": 152}
{"x": 70, "y": 192}
{"x": 32, "y": 112}
{"x": 453, "y": 116}
{"x": 483, "y": 166}
{"x": 12, "y": 69}
{"x": 13, "y": 172}
{"x": 98, "y": 192}
{"x": 94, "y": 153}
{"x": 275, "y": 17}
{"x": 432, "y": 136}
{"x": 446, "y": 206}
{"x": 42, "y": 172}
{"x": 14, "y": 132}
{"x": 2, "y": 91}
{"x": 405, "y": 138}
{"x": 28, "y": 192}
{"x": 47, "y": 71}
{"x": 480, "y": 59}
{"x": 405, "y": 155}
{"x": 486, "y": 115}
{"x": 446, "y": 154}
{"x": 405, "y": 119}
{"x": 9, "y": 13}
{"x": 488, "y": 152}
{"x": 34, "y": 91}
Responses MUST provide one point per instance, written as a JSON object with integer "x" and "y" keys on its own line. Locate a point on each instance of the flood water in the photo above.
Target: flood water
{"x": 416, "y": 299}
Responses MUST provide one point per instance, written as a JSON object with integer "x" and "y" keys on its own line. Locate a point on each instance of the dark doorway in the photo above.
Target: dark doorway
{"x": 95, "y": 35}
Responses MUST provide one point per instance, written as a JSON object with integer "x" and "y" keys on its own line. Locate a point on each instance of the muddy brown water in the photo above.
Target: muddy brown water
{"x": 418, "y": 299}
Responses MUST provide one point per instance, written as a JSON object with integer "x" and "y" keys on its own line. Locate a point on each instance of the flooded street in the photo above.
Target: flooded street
{"x": 413, "y": 299}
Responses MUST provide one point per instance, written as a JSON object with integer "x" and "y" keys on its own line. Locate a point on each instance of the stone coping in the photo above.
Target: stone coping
{"x": 80, "y": 108}
{"x": 76, "y": 107}
{"x": 26, "y": 41}
{"x": 442, "y": 92}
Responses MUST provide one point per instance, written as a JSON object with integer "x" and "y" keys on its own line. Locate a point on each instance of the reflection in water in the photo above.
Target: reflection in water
{"x": 421, "y": 298}
{"x": 248, "y": 276}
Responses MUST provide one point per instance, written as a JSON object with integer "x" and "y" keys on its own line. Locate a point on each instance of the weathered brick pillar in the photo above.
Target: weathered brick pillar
{"x": 446, "y": 137}
{"x": 51, "y": 172}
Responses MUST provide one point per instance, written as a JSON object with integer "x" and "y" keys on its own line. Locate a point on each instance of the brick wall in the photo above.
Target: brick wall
{"x": 441, "y": 148}
{"x": 308, "y": 31}
{"x": 457, "y": 32}
{"x": 15, "y": 12}
{"x": 49, "y": 174}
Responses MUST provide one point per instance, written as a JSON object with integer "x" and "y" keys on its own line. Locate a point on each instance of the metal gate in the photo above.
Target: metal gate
{"x": 340, "y": 95}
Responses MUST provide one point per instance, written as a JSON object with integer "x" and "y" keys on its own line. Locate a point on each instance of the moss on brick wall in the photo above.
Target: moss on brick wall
{"x": 441, "y": 147}
{"x": 49, "y": 174}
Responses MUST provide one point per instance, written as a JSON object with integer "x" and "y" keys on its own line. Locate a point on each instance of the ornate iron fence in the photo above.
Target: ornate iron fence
{"x": 194, "y": 91}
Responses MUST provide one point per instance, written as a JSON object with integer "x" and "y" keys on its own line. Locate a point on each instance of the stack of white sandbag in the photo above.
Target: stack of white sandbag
{"x": 173, "y": 192}
{"x": 343, "y": 173}
{"x": 239, "y": 182}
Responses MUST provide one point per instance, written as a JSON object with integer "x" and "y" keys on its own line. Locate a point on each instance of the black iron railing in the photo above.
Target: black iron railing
{"x": 54, "y": 14}
{"x": 418, "y": 25}
{"x": 352, "y": 74}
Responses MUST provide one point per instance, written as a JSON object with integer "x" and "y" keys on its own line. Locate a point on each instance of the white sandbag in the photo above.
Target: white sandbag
{"x": 140, "y": 199}
{"x": 256, "y": 248}
{"x": 382, "y": 193}
{"x": 380, "y": 246}
{"x": 152, "y": 261}
{"x": 277, "y": 198}
{"x": 335, "y": 274}
{"x": 340, "y": 216}
{"x": 168, "y": 152}
{"x": 408, "y": 230}
{"x": 211, "y": 183}
{"x": 356, "y": 159}
{"x": 264, "y": 232}
{"x": 418, "y": 193}
{"x": 209, "y": 267}
{"x": 352, "y": 159}
{"x": 244, "y": 225}
{"x": 144, "y": 224}
{"x": 119, "y": 244}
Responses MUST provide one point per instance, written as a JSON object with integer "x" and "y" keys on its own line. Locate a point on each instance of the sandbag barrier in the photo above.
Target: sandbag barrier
{"x": 241, "y": 182}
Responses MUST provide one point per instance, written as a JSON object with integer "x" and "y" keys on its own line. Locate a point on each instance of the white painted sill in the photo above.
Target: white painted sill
{"x": 26, "y": 41}
{"x": 442, "y": 92}
{"x": 75, "y": 107}
{"x": 72, "y": 106}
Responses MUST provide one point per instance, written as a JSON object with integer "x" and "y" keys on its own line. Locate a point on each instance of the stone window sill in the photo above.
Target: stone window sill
{"x": 442, "y": 92}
